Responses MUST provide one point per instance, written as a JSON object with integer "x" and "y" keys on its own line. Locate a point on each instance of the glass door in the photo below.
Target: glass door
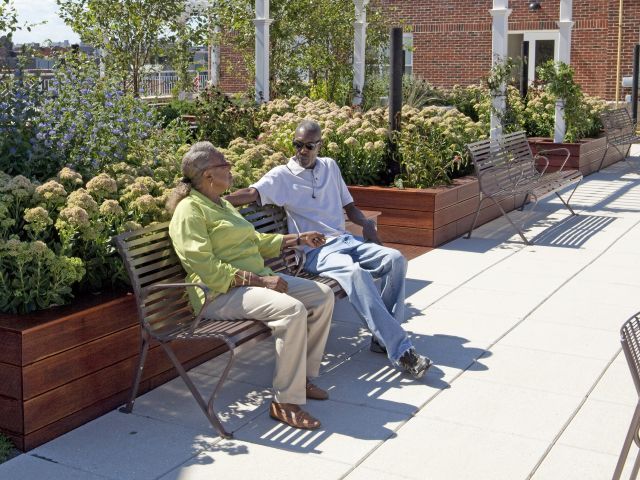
{"x": 540, "y": 47}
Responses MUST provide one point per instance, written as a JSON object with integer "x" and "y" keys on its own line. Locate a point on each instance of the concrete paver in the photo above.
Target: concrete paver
{"x": 528, "y": 382}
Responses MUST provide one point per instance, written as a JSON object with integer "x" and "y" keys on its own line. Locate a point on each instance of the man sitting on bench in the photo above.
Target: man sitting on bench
{"x": 313, "y": 193}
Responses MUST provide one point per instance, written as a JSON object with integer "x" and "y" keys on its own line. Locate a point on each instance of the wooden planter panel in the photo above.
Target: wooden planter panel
{"x": 65, "y": 366}
{"x": 585, "y": 155}
{"x": 426, "y": 217}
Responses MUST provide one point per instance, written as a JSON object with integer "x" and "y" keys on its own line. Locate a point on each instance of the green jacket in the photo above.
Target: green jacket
{"x": 214, "y": 242}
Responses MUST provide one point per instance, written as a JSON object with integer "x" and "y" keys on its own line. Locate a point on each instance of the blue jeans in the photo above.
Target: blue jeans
{"x": 354, "y": 264}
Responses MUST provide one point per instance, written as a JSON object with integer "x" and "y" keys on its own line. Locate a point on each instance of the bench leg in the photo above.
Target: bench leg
{"x": 137, "y": 374}
{"x": 631, "y": 434}
{"x": 207, "y": 407}
{"x": 566, "y": 203}
{"x": 524, "y": 202}
{"x": 604, "y": 155}
{"x": 475, "y": 217}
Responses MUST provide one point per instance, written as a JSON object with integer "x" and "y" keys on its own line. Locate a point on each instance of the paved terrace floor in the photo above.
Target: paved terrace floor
{"x": 529, "y": 380}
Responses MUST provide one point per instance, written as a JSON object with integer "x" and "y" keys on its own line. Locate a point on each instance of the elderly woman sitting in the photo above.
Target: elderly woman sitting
{"x": 221, "y": 249}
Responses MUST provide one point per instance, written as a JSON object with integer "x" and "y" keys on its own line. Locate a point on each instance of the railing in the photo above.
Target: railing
{"x": 162, "y": 84}
{"x": 157, "y": 84}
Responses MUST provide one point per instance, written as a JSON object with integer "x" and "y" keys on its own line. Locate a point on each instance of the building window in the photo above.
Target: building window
{"x": 407, "y": 43}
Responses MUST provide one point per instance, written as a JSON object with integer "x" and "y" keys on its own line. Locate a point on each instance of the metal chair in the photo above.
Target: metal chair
{"x": 630, "y": 339}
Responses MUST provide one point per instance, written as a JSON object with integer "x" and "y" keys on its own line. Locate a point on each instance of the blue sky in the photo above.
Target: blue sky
{"x": 33, "y": 11}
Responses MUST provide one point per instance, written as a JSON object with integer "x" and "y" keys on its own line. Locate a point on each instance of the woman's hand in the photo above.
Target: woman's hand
{"x": 312, "y": 239}
{"x": 273, "y": 282}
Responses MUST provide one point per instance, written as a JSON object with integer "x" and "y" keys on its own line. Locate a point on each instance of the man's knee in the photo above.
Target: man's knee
{"x": 397, "y": 259}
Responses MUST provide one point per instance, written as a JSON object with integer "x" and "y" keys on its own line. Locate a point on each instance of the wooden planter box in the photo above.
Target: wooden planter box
{"x": 62, "y": 367}
{"x": 427, "y": 217}
{"x": 585, "y": 154}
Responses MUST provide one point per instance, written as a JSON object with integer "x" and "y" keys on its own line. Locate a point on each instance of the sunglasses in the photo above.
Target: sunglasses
{"x": 298, "y": 145}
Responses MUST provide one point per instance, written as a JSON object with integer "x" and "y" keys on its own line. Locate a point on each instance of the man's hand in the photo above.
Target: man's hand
{"x": 312, "y": 239}
{"x": 276, "y": 283}
{"x": 370, "y": 233}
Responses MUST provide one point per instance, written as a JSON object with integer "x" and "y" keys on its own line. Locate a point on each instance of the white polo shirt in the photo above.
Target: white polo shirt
{"x": 313, "y": 198}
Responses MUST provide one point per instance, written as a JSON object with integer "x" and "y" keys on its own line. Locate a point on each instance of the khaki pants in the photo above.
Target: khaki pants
{"x": 300, "y": 321}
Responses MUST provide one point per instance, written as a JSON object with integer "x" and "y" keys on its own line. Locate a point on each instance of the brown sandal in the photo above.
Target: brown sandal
{"x": 315, "y": 393}
{"x": 293, "y": 415}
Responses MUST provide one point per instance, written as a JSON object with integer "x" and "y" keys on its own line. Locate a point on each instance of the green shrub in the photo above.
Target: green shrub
{"x": 432, "y": 146}
{"x": 582, "y": 112}
{"x": 221, "y": 118}
{"x": 6, "y": 448}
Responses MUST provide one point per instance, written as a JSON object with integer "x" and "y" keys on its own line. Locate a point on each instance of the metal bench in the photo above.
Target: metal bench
{"x": 506, "y": 168}
{"x": 165, "y": 312}
{"x": 630, "y": 339}
{"x": 620, "y": 132}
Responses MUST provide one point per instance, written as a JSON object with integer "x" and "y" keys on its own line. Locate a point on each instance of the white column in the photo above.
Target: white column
{"x": 500, "y": 31}
{"x": 565, "y": 24}
{"x": 262, "y": 22}
{"x": 214, "y": 57}
{"x": 359, "y": 48}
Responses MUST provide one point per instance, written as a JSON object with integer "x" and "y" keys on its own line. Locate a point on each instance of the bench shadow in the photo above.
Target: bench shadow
{"x": 572, "y": 232}
{"x": 360, "y": 406}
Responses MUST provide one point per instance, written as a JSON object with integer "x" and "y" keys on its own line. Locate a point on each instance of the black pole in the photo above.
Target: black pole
{"x": 395, "y": 97}
{"x": 634, "y": 92}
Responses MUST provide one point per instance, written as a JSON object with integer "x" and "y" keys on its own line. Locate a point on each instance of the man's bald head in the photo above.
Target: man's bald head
{"x": 307, "y": 127}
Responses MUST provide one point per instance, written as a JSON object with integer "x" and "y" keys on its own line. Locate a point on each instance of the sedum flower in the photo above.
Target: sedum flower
{"x": 75, "y": 216}
{"x": 37, "y": 219}
{"x": 70, "y": 177}
{"x": 131, "y": 226}
{"x": 369, "y": 147}
{"x": 351, "y": 142}
{"x": 102, "y": 186}
{"x": 39, "y": 248}
{"x": 81, "y": 198}
{"x": 21, "y": 187}
{"x": 333, "y": 147}
{"x": 145, "y": 204}
{"x": 111, "y": 208}
{"x": 52, "y": 192}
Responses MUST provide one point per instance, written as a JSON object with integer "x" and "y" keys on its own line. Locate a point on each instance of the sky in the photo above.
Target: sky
{"x": 34, "y": 11}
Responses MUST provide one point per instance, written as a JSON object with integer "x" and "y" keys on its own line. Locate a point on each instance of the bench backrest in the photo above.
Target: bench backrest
{"x": 616, "y": 119}
{"x": 149, "y": 258}
{"x": 503, "y": 162}
{"x": 618, "y": 126}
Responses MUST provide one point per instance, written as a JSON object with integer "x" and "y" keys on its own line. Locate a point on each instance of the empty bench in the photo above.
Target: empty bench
{"x": 620, "y": 131}
{"x": 164, "y": 310}
{"x": 507, "y": 168}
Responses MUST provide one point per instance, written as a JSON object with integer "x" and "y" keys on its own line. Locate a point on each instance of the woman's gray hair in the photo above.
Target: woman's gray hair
{"x": 194, "y": 164}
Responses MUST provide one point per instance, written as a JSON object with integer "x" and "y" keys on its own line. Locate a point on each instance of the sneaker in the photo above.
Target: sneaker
{"x": 376, "y": 346}
{"x": 414, "y": 364}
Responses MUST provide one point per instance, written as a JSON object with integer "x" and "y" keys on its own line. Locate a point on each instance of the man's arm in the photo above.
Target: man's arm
{"x": 242, "y": 196}
{"x": 369, "y": 231}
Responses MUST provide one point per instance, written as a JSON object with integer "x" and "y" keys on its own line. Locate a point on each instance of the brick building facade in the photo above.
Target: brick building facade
{"x": 452, "y": 40}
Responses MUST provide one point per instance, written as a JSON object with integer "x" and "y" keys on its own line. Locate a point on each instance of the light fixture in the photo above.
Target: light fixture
{"x": 534, "y": 5}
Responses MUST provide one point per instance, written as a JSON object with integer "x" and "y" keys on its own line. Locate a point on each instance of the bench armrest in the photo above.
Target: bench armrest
{"x": 541, "y": 153}
{"x": 301, "y": 258}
